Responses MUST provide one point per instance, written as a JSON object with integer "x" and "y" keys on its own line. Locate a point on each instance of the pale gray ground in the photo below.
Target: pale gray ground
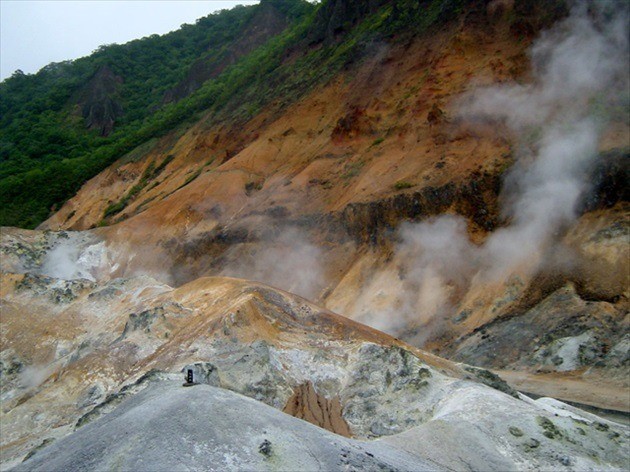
{"x": 167, "y": 427}
{"x": 203, "y": 428}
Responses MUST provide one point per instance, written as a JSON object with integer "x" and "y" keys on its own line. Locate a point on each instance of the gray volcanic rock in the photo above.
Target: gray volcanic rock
{"x": 562, "y": 333}
{"x": 167, "y": 427}
{"x": 474, "y": 428}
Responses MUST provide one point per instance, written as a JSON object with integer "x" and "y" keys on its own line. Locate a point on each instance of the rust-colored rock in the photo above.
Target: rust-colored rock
{"x": 326, "y": 413}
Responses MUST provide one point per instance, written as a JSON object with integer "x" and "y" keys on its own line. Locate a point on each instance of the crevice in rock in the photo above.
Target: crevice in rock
{"x": 308, "y": 405}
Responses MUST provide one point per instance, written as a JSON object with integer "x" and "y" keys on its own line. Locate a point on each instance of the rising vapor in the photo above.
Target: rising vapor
{"x": 580, "y": 72}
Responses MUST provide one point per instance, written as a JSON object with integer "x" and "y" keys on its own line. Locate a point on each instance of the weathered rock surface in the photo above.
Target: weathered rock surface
{"x": 565, "y": 332}
{"x": 66, "y": 362}
{"x": 308, "y": 405}
{"x": 119, "y": 348}
{"x": 167, "y": 427}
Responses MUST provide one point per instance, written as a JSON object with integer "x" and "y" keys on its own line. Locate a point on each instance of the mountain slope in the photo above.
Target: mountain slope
{"x": 63, "y": 125}
{"x": 328, "y": 183}
{"x": 452, "y": 173}
{"x": 105, "y": 360}
{"x": 41, "y": 129}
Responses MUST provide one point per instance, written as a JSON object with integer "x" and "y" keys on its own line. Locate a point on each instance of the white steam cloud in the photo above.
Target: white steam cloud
{"x": 580, "y": 74}
{"x": 71, "y": 259}
{"x": 34, "y": 376}
{"x": 289, "y": 262}
{"x": 433, "y": 263}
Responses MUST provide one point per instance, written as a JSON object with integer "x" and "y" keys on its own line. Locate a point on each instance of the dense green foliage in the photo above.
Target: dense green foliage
{"x": 46, "y": 153}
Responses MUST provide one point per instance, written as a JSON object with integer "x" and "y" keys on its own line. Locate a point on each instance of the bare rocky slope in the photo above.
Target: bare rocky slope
{"x": 223, "y": 430}
{"x": 463, "y": 191}
{"x": 105, "y": 362}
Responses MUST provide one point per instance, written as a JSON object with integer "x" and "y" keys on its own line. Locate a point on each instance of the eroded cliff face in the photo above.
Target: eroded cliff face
{"x": 99, "y": 102}
{"x": 368, "y": 135}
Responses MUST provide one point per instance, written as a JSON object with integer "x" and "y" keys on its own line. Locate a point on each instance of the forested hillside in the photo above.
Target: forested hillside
{"x": 63, "y": 125}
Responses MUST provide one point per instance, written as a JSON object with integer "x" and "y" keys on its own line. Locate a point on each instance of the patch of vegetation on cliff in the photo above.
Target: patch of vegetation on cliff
{"x": 148, "y": 175}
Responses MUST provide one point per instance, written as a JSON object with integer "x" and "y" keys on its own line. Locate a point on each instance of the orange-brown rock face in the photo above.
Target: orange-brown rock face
{"x": 326, "y": 413}
{"x": 351, "y": 140}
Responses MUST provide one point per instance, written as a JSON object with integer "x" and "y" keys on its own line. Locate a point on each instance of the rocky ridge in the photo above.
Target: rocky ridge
{"x": 108, "y": 347}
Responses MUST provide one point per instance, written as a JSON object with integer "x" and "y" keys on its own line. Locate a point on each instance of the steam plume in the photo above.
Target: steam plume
{"x": 580, "y": 77}
{"x": 74, "y": 259}
{"x": 289, "y": 262}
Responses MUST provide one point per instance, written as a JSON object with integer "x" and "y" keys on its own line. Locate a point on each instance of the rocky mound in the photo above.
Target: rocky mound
{"x": 73, "y": 350}
{"x": 167, "y": 427}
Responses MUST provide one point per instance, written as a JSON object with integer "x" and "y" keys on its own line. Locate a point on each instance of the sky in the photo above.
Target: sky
{"x": 36, "y": 33}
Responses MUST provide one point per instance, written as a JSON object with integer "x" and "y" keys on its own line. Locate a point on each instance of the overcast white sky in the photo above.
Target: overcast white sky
{"x": 36, "y": 33}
